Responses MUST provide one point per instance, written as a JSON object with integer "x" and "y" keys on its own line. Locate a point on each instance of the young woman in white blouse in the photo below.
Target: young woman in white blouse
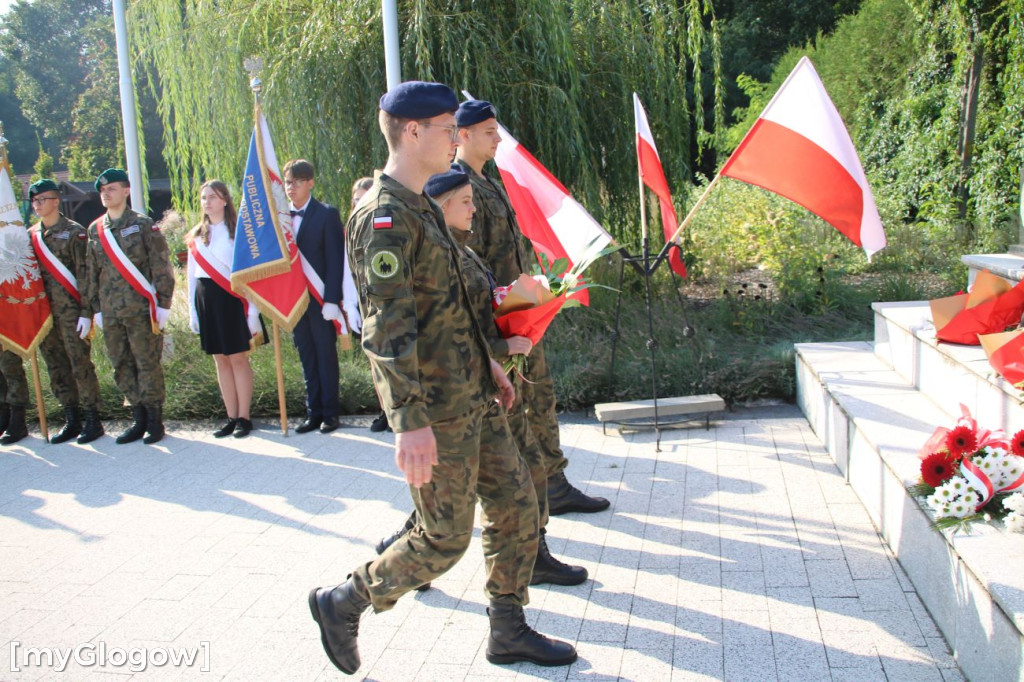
{"x": 217, "y": 314}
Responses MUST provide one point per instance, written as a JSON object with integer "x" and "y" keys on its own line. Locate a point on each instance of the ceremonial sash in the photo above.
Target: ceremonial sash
{"x": 316, "y": 288}
{"x": 218, "y": 270}
{"x": 58, "y": 270}
{"x": 131, "y": 274}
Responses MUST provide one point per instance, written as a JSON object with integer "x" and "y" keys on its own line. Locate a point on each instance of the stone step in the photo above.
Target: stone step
{"x": 1007, "y": 265}
{"x": 872, "y": 422}
{"x": 666, "y": 407}
{"x": 948, "y": 374}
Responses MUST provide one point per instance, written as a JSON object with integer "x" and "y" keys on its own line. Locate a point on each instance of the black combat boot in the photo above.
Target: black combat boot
{"x": 512, "y": 640}
{"x": 154, "y": 424}
{"x": 393, "y": 538}
{"x": 93, "y": 428}
{"x": 563, "y": 498}
{"x": 72, "y": 425}
{"x": 16, "y": 427}
{"x": 548, "y": 569}
{"x": 138, "y": 428}
{"x": 5, "y": 417}
{"x": 336, "y": 610}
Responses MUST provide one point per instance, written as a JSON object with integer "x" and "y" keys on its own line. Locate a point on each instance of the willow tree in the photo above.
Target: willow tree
{"x": 560, "y": 74}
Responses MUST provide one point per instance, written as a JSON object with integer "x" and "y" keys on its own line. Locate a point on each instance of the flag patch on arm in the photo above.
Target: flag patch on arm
{"x": 382, "y": 222}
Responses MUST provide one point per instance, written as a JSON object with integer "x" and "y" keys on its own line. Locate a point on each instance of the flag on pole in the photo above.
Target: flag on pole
{"x": 24, "y": 309}
{"x": 557, "y": 224}
{"x": 266, "y": 264}
{"x": 653, "y": 175}
{"x": 799, "y": 148}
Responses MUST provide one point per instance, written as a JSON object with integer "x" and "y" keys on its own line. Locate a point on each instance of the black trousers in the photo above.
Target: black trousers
{"x": 316, "y": 339}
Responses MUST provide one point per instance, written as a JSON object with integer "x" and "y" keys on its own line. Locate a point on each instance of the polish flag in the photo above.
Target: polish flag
{"x": 557, "y": 224}
{"x": 799, "y": 148}
{"x": 653, "y": 176}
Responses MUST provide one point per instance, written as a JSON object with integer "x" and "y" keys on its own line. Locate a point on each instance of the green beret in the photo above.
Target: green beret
{"x": 111, "y": 175}
{"x": 40, "y": 186}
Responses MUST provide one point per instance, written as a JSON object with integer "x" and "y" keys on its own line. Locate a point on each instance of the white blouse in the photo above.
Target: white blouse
{"x": 222, "y": 247}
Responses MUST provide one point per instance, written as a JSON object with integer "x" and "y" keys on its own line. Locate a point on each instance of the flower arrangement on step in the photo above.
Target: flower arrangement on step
{"x": 971, "y": 475}
{"x": 527, "y": 306}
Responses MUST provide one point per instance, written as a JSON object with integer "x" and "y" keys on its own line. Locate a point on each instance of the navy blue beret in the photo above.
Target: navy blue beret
{"x": 452, "y": 178}
{"x": 474, "y": 111}
{"x": 419, "y": 100}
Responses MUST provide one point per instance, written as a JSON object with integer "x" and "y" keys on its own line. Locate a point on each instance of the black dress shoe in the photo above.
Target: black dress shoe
{"x": 329, "y": 424}
{"x": 380, "y": 423}
{"x": 311, "y": 424}
{"x": 243, "y": 428}
{"x": 227, "y": 429}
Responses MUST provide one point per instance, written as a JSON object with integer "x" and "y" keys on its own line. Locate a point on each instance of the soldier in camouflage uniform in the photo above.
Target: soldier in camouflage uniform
{"x": 66, "y": 348}
{"x": 132, "y": 335}
{"x": 453, "y": 193}
{"x": 14, "y": 397}
{"x": 434, "y": 376}
{"x": 499, "y": 241}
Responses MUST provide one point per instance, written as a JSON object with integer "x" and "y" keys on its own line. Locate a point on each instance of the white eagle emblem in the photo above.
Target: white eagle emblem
{"x": 17, "y": 260}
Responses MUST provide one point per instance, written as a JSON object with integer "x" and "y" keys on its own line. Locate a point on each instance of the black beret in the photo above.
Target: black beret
{"x": 110, "y": 175}
{"x": 452, "y": 178}
{"x": 474, "y": 111}
{"x": 419, "y": 100}
{"x": 41, "y": 186}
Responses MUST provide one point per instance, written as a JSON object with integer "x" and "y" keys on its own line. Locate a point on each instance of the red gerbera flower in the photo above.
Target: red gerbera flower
{"x": 1017, "y": 444}
{"x": 938, "y": 468}
{"x": 961, "y": 441}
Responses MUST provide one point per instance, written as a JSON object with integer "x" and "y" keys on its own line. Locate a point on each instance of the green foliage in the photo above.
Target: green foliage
{"x": 43, "y": 166}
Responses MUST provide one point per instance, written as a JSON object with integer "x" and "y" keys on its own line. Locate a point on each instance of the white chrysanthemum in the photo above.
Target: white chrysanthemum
{"x": 952, "y": 489}
{"x": 936, "y": 503}
{"x": 1015, "y": 502}
{"x": 960, "y": 510}
{"x": 1015, "y": 522}
{"x": 971, "y": 499}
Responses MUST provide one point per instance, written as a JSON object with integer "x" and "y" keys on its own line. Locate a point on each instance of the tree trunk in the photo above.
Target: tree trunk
{"x": 968, "y": 122}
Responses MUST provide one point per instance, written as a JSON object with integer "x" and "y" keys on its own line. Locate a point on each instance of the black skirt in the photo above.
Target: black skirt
{"x": 222, "y": 326}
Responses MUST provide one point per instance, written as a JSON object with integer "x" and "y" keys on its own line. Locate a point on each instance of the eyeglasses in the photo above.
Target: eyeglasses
{"x": 453, "y": 128}
{"x": 43, "y": 200}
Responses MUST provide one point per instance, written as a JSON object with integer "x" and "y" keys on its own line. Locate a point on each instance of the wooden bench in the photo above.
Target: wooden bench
{"x": 688, "y": 407}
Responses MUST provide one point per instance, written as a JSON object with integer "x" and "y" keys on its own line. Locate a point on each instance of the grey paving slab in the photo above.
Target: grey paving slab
{"x": 736, "y": 553}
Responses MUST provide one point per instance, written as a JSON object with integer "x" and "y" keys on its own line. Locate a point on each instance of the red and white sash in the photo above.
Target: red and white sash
{"x": 218, "y": 270}
{"x": 316, "y": 289}
{"x": 58, "y": 270}
{"x": 128, "y": 270}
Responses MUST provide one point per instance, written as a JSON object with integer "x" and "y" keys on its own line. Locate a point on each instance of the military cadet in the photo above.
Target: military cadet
{"x": 61, "y": 248}
{"x": 453, "y": 193}
{"x": 130, "y": 284}
{"x": 498, "y": 240}
{"x": 432, "y": 371}
{"x": 14, "y": 397}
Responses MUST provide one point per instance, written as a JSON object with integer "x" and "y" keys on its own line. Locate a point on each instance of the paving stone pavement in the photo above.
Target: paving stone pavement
{"x": 735, "y": 553}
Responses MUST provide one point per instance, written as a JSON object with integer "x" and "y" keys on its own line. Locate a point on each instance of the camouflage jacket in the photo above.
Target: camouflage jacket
{"x": 496, "y": 236}
{"x": 144, "y": 245}
{"x": 427, "y": 354}
{"x": 68, "y": 241}
{"x": 480, "y": 285}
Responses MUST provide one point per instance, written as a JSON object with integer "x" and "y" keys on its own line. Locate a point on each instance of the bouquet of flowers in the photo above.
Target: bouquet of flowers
{"x": 527, "y": 306}
{"x": 970, "y": 475}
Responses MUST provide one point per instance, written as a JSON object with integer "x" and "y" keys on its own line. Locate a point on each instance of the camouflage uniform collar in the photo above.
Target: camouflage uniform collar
{"x": 461, "y": 237}
{"x": 419, "y": 202}
{"x": 120, "y": 222}
{"x": 62, "y": 224}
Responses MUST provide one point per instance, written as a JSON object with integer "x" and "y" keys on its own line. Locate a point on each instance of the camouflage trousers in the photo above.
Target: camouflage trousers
{"x": 135, "y": 353}
{"x": 13, "y": 383}
{"x": 530, "y": 451}
{"x": 476, "y": 458}
{"x": 539, "y": 396}
{"x": 72, "y": 375}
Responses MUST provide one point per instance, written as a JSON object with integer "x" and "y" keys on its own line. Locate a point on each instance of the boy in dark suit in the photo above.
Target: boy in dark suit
{"x": 320, "y": 237}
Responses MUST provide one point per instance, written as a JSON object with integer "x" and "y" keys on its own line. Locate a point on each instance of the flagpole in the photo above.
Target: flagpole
{"x": 40, "y": 406}
{"x": 281, "y": 403}
{"x": 689, "y": 216}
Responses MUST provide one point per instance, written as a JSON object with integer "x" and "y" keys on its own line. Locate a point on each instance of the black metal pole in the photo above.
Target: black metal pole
{"x": 652, "y": 344}
{"x": 615, "y": 332}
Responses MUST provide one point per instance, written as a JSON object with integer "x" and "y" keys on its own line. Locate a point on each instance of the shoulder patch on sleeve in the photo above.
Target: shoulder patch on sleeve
{"x": 382, "y": 219}
{"x": 385, "y": 264}
{"x": 82, "y": 235}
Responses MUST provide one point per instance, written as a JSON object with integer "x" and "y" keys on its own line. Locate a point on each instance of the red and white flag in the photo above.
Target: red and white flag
{"x": 24, "y": 309}
{"x": 557, "y": 224}
{"x": 653, "y": 175}
{"x": 799, "y": 148}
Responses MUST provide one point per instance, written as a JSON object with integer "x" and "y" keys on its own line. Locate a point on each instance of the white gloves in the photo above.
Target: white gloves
{"x": 193, "y": 324}
{"x": 83, "y": 327}
{"x": 162, "y": 315}
{"x": 253, "y": 321}
{"x": 97, "y": 319}
{"x": 331, "y": 311}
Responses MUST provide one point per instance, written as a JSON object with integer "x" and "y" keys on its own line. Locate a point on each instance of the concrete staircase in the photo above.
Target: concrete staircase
{"x": 873, "y": 405}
